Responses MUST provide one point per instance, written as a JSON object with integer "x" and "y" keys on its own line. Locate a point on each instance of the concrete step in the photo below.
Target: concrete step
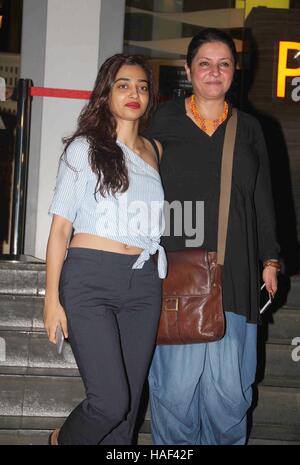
{"x": 271, "y": 442}
{"x": 275, "y": 406}
{"x": 29, "y": 279}
{"x": 24, "y": 437}
{"x": 40, "y": 437}
{"x": 267, "y": 434}
{"x": 293, "y": 296}
{"x": 280, "y": 382}
{"x": 21, "y": 313}
{"x": 145, "y": 439}
{"x": 261, "y": 433}
{"x": 39, "y": 396}
{"x": 43, "y": 396}
{"x": 29, "y": 352}
{"x": 17, "y": 422}
{"x": 283, "y": 325}
{"x": 275, "y": 432}
{"x": 22, "y": 278}
{"x": 276, "y": 366}
{"x": 278, "y": 406}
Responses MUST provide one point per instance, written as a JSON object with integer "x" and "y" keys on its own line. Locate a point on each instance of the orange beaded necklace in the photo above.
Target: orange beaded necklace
{"x": 207, "y": 125}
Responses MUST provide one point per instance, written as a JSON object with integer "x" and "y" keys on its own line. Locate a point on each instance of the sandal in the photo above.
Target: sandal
{"x": 52, "y": 439}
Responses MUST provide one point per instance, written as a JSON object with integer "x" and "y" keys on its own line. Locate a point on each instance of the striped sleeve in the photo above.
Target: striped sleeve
{"x": 71, "y": 181}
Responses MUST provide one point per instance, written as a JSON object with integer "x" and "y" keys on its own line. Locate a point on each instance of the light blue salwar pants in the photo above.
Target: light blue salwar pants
{"x": 200, "y": 393}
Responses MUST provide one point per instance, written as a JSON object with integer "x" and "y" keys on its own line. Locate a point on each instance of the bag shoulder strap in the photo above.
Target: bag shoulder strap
{"x": 226, "y": 182}
{"x": 154, "y": 145}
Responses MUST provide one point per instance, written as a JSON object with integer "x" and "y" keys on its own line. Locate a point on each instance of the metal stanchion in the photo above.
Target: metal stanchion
{"x": 21, "y": 162}
{"x": 25, "y": 92}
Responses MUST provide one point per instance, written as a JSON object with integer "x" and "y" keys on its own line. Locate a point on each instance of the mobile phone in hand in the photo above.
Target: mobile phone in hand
{"x": 59, "y": 339}
{"x": 265, "y": 299}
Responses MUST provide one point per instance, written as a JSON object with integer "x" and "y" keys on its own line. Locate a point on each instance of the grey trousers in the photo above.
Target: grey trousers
{"x": 113, "y": 313}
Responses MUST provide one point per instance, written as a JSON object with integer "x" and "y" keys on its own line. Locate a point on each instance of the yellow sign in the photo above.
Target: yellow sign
{"x": 249, "y": 4}
{"x": 283, "y": 70}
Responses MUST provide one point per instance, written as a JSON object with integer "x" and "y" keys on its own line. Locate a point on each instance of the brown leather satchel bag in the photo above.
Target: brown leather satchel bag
{"x": 192, "y": 310}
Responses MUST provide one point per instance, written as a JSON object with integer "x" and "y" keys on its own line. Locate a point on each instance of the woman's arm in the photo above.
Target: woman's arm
{"x": 69, "y": 191}
{"x": 58, "y": 241}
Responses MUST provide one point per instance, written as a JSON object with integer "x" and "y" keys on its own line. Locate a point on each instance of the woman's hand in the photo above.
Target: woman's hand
{"x": 54, "y": 315}
{"x": 270, "y": 279}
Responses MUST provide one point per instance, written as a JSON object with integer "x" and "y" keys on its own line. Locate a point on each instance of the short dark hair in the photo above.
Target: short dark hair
{"x": 209, "y": 34}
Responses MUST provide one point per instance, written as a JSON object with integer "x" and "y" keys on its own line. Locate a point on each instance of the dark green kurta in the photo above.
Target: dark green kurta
{"x": 190, "y": 171}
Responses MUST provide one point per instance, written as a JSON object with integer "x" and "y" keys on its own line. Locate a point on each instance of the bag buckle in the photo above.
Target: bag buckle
{"x": 171, "y": 304}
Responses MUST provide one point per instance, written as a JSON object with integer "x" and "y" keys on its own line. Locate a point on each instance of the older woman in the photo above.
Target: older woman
{"x": 200, "y": 393}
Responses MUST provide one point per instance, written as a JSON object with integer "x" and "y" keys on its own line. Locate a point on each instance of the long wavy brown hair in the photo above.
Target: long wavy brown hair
{"x": 97, "y": 124}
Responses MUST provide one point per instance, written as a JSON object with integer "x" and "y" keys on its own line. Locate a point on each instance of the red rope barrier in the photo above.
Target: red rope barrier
{"x": 60, "y": 93}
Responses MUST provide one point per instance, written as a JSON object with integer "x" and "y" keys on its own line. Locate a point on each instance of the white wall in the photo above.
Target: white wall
{"x": 62, "y": 46}
{"x": 34, "y": 29}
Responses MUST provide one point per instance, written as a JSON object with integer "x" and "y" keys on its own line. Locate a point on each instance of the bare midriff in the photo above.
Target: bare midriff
{"x": 91, "y": 241}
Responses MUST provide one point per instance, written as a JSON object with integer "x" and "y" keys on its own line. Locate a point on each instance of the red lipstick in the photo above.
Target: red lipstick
{"x": 134, "y": 105}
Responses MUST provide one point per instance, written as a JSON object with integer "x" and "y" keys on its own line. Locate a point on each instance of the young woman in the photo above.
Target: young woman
{"x": 106, "y": 293}
{"x": 200, "y": 393}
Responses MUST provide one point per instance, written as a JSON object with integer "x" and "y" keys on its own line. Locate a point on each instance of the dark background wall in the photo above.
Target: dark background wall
{"x": 280, "y": 118}
{"x": 10, "y": 33}
{"x": 10, "y": 43}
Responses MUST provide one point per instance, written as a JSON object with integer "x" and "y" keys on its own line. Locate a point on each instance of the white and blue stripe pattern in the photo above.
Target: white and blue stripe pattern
{"x": 134, "y": 217}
